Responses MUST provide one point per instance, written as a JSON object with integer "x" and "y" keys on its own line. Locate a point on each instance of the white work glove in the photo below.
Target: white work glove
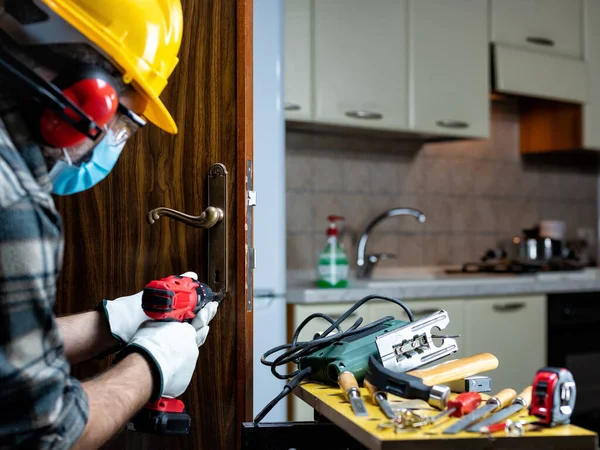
{"x": 173, "y": 348}
{"x": 125, "y": 315}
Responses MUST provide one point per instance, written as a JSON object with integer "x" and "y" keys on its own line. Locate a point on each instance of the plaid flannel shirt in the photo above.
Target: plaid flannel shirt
{"x": 41, "y": 405}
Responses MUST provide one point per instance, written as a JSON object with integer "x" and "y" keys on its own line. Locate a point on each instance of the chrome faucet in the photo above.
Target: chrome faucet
{"x": 366, "y": 263}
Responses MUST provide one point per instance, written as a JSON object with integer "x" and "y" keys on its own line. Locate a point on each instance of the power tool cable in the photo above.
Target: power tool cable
{"x": 296, "y": 350}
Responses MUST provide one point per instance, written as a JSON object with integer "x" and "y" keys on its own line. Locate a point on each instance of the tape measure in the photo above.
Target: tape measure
{"x": 553, "y": 397}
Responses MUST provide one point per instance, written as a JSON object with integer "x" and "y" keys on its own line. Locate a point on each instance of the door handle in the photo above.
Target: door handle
{"x": 540, "y": 41}
{"x": 208, "y": 219}
{"x": 214, "y": 220}
{"x": 508, "y": 307}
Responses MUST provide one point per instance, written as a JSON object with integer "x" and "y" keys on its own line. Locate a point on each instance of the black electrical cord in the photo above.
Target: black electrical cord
{"x": 296, "y": 350}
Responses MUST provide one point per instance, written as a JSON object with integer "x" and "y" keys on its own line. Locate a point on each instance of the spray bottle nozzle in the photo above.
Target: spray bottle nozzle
{"x": 332, "y": 230}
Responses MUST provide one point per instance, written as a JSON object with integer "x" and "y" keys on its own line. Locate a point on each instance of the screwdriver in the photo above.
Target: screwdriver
{"x": 464, "y": 403}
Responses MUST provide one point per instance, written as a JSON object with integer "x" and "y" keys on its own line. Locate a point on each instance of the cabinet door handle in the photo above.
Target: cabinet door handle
{"x": 362, "y": 114}
{"x": 540, "y": 41}
{"x": 456, "y": 124}
{"x": 424, "y": 312}
{"x": 508, "y": 307}
{"x": 291, "y": 106}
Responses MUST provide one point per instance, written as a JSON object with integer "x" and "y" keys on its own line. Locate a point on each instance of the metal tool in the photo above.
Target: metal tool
{"x": 495, "y": 403}
{"x": 553, "y": 398}
{"x": 405, "y": 385}
{"x": 463, "y": 404}
{"x": 404, "y": 420}
{"x": 380, "y": 398}
{"x": 523, "y": 400}
{"x": 475, "y": 383}
{"x": 349, "y": 386}
{"x": 457, "y": 369}
{"x": 511, "y": 427}
{"x": 412, "y": 346}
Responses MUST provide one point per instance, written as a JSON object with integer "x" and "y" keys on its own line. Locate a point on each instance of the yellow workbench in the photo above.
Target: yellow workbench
{"x": 329, "y": 402}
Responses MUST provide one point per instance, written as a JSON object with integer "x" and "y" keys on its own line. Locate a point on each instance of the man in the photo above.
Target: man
{"x": 77, "y": 79}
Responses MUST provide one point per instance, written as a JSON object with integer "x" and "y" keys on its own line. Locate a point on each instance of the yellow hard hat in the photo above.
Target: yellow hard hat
{"x": 142, "y": 37}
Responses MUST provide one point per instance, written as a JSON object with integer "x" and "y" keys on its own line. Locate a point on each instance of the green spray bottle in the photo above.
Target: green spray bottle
{"x": 333, "y": 262}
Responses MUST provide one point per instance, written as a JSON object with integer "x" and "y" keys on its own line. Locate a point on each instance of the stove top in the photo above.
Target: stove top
{"x": 518, "y": 267}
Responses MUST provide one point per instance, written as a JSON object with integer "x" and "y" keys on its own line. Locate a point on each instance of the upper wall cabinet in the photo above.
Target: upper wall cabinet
{"x": 360, "y": 73}
{"x": 591, "y": 111}
{"x": 538, "y": 49}
{"x": 549, "y": 25}
{"x": 448, "y": 66}
{"x": 298, "y": 59}
{"x": 417, "y": 66}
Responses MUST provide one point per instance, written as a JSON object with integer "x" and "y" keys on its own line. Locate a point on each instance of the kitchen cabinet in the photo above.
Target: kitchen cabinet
{"x": 591, "y": 110}
{"x": 298, "y": 59}
{"x": 360, "y": 73}
{"x": 514, "y": 330}
{"x": 552, "y": 26}
{"x": 389, "y": 64}
{"x": 448, "y": 67}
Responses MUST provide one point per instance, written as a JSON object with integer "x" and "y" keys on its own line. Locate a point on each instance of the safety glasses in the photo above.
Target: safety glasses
{"x": 126, "y": 125}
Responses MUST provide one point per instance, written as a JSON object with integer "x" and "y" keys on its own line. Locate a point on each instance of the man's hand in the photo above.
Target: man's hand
{"x": 125, "y": 314}
{"x": 173, "y": 348}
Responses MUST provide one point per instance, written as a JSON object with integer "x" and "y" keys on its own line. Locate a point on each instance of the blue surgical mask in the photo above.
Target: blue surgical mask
{"x": 70, "y": 179}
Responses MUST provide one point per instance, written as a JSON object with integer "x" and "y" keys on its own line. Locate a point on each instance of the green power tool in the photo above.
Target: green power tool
{"x": 348, "y": 354}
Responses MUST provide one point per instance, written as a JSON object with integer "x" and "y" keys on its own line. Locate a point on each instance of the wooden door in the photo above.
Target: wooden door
{"x": 112, "y": 251}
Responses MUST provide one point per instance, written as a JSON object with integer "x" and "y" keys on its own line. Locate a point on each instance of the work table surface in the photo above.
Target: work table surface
{"x": 301, "y": 286}
{"x": 329, "y": 402}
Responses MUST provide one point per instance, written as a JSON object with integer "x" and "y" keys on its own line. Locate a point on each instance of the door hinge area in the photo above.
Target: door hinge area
{"x": 251, "y": 198}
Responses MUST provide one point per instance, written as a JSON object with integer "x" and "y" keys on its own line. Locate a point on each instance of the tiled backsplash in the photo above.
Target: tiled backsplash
{"x": 474, "y": 193}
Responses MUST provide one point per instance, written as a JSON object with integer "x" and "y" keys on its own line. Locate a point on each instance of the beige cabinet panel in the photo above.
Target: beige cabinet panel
{"x": 449, "y": 67}
{"x": 514, "y": 330}
{"x": 298, "y": 59}
{"x": 591, "y": 110}
{"x": 553, "y": 26}
{"x": 360, "y": 72}
{"x": 534, "y": 74}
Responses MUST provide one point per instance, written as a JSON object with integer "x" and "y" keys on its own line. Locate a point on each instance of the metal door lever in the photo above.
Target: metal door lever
{"x": 208, "y": 219}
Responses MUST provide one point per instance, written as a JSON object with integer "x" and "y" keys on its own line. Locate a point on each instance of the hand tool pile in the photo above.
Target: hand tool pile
{"x": 384, "y": 357}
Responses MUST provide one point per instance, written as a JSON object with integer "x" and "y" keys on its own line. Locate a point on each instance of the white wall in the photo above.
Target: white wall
{"x": 269, "y": 183}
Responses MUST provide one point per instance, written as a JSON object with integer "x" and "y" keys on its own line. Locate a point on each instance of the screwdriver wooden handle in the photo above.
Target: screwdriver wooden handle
{"x": 457, "y": 369}
{"x": 373, "y": 390}
{"x": 504, "y": 397}
{"x": 526, "y": 396}
{"x": 347, "y": 381}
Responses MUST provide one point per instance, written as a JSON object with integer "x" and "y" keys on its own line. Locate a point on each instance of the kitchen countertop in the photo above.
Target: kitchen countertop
{"x": 432, "y": 282}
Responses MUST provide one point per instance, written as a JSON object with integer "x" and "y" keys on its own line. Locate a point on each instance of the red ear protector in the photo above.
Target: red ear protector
{"x": 74, "y": 106}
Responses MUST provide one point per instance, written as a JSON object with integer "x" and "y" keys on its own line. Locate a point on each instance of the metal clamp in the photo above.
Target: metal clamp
{"x": 412, "y": 346}
{"x": 213, "y": 219}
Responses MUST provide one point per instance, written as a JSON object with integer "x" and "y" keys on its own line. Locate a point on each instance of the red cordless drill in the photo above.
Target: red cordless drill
{"x": 174, "y": 298}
